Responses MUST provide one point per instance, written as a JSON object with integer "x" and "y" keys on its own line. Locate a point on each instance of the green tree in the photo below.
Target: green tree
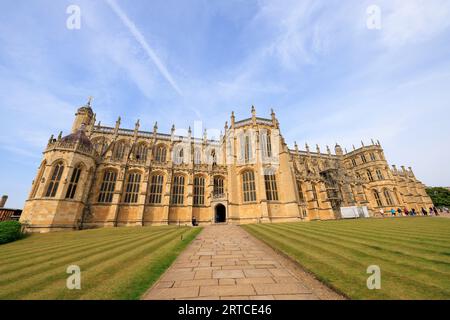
{"x": 439, "y": 196}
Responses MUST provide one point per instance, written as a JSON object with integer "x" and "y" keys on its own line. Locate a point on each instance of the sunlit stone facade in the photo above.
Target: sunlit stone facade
{"x": 101, "y": 176}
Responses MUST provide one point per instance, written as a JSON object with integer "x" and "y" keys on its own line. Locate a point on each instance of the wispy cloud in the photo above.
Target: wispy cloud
{"x": 141, "y": 40}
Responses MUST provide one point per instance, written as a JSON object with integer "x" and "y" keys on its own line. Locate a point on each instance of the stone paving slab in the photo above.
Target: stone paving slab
{"x": 225, "y": 262}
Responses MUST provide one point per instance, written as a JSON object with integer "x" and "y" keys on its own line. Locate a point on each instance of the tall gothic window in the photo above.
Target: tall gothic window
{"x": 197, "y": 156}
{"x": 213, "y": 157}
{"x": 372, "y": 156}
{"x": 354, "y": 162}
{"x": 247, "y": 148}
{"x": 160, "y": 154}
{"x": 266, "y": 144}
{"x": 199, "y": 191}
{"x": 379, "y": 174}
{"x": 132, "y": 188}
{"x": 387, "y": 195}
{"x": 141, "y": 152}
{"x": 119, "y": 151}
{"x": 301, "y": 195}
{"x": 107, "y": 187}
{"x": 218, "y": 186}
{"x": 363, "y": 158}
{"x": 38, "y": 179}
{"x": 70, "y": 194}
{"x": 377, "y": 197}
{"x": 248, "y": 186}
{"x": 369, "y": 175}
{"x": 54, "y": 180}
{"x": 178, "y": 155}
{"x": 271, "y": 187}
{"x": 100, "y": 146}
{"x": 177, "y": 195}
{"x": 156, "y": 189}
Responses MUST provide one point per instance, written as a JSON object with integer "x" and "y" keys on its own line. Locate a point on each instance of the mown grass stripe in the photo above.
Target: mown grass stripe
{"x": 429, "y": 272}
{"x": 438, "y": 257}
{"x": 100, "y": 255}
{"x": 93, "y": 274}
{"x": 348, "y": 261}
{"x": 83, "y": 250}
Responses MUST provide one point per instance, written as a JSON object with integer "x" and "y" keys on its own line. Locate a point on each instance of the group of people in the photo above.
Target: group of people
{"x": 405, "y": 212}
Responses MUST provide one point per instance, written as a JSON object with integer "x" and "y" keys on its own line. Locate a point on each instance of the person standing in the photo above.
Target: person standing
{"x": 399, "y": 212}
{"x": 406, "y": 211}
{"x": 382, "y": 212}
{"x": 393, "y": 212}
{"x": 424, "y": 212}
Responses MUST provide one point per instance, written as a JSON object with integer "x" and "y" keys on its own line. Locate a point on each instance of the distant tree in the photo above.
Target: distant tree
{"x": 439, "y": 196}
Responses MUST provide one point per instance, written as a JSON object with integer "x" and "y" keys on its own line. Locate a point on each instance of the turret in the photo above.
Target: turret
{"x": 84, "y": 116}
{"x": 338, "y": 150}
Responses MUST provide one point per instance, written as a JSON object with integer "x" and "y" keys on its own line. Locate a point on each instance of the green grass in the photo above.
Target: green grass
{"x": 413, "y": 254}
{"x": 115, "y": 263}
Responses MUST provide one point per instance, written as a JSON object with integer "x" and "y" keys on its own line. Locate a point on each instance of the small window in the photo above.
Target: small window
{"x": 379, "y": 175}
{"x": 354, "y": 162}
{"x": 372, "y": 156}
{"x": 369, "y": 175}
{"x": 363, "y": 158}
{"x": 70, "y": 194}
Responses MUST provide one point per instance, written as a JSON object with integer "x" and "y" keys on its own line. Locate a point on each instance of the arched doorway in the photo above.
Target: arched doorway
{"x": 220, "y": 214}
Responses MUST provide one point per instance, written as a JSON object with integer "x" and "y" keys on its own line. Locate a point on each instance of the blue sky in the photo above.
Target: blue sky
{"x": 328, "y": 77}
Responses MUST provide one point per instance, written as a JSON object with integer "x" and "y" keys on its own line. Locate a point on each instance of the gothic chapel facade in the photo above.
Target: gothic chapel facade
{"x": 101, "y": 176}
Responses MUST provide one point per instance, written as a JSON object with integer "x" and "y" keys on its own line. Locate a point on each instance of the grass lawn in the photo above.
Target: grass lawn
{"x": 116, "y": 263}
{"x": 413, "y": 254}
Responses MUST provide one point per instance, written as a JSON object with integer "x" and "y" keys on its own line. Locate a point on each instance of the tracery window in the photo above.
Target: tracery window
{"x": 199, "y": 191}
{"x": 160, "y": 154}
{"x": 132, "y": 187}
{"x": 108, "y": 186}
{"x": 377, "y": 197}
{"x": 177, "y": 195}
{"x": 271, "y": 187}
{"x": 156, "y": 189}
{"x": 55, "y": 180}
{"x": 71, "y": 190}
{"x": 248, "y": 186}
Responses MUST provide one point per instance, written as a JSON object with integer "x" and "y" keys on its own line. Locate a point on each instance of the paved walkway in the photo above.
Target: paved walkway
{"x": 225, "y": 262}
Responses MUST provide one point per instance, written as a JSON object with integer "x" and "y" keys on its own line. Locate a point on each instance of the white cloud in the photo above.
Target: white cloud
{"x": 413, "y": 21}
